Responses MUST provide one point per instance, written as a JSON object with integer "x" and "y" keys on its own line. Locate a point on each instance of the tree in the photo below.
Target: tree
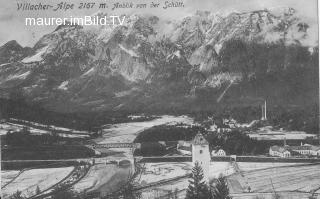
{"x": 38, "y": 191}
{"x": 62, "y": 192}
{"x": 127, "y": 192}
{"x": 197, "y": 188}
{"x": 173, "y": 194}
{"x": 276, "y": 196}
{"x": 17, "y": 195}
{"x": 220, "y": 188}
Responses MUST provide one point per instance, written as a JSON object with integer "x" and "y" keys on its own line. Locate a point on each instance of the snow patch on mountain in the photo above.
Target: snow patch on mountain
{"x": 89, "y": 72}
{"x": 217, "y": 80}
{"x": 130, "y": 52}
{"x": 36, "y": 57}
{"x": 63, "y": 85}
{"x": 19, "y": 76}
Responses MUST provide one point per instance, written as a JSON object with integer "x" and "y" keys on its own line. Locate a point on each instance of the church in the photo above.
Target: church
{"x": 199, "y": 149}
{"x": 201, "y": 154}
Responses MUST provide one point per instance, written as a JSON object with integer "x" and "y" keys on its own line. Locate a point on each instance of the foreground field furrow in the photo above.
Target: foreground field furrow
{"x": 308, "y": 186}
{"x": 258, "y": 175}
{"x": 280, "y": 179}
{"x": 262, "y": 176}
{"x": 29, "y": 180}
{"x": 290, "y": 184}
{"x": 298, "y": 178}
{"x": 235, "y": 186}
{"x": 8, "y": 176}
{"x": 284, "y": 181}
{"x": 249, "y": 167}
{"x": 96, "y": 176}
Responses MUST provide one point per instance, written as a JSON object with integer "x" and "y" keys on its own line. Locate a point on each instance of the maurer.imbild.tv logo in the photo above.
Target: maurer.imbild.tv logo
{"x": 83, "y": 21}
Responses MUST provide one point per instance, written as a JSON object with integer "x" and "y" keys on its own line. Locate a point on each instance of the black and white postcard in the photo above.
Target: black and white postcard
{"x": 159, "y": 99}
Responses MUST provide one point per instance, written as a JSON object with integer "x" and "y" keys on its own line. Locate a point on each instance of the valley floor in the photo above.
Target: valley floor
{"x": 28, "y": 180}
{"x": 159, "y": 179}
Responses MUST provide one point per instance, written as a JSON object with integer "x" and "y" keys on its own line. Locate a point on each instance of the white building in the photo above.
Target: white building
{"x": 223, "y": 130}
{"x": 201, "y": 154}
{"x": 218, "y": 152}
{"x": 306, "y": 149}
{"x": 264, "y": 111}
{"x": 213, "y": 128}
{"x": 279, "y": 151}
{"x": 231, "y": 123}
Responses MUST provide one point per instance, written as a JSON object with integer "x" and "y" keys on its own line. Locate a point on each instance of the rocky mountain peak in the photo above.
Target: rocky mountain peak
{"x": 12, "y": 51}
{"x": 107, "y": 67}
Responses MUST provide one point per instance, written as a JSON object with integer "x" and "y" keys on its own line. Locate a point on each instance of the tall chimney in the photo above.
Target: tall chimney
{"x": 265, "y": 109}
{"x": 262, "y": 114}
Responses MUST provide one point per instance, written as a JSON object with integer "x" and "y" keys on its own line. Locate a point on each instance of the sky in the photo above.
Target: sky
{"x": 12, "y": 25}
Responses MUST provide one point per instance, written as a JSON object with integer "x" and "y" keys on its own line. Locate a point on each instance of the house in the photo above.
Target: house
{"x": 213, "y": 128}
{"x": 218, "y": 152}
{"x": 184, "y": 147}
{"x": 306, "y": 149}
{"x": 279, "y": 151}
{"x": 231, "y": 123}
{"x": 223, "y": 130}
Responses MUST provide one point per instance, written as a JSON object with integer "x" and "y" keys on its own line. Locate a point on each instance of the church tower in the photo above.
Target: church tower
{"x": 201, "y": 154}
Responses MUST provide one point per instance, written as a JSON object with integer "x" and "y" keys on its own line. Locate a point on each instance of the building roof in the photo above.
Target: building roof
{"x": 279, "y": 149}
{"x": 305, "y": 147}
{"x": 217, "y": 150}
{"x": 199, "y": 140}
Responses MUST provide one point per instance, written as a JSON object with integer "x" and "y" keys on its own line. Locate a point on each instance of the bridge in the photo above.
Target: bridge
{"x": 115, "y": 145}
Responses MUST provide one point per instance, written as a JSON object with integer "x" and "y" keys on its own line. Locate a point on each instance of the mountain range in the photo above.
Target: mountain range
{"x": 200, "y": 62}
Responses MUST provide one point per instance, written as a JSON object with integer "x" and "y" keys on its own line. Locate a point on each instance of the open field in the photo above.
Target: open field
{"x": 163, "y": 190}
{"x": 7, "y": 176}
{"x": 7, "y": 126}
{"x": 220, "y": 168}
{"x": 103, "y": 178}
{"x": 282, "y": 195}
{"x": 301, "y": 178}
{"x": 153, "y": 172}
{"x": 96, "y": 176}
{"x": 249, "y": 166}
{"x": 127, "y": 132}
{"x": 28, "y": 181}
